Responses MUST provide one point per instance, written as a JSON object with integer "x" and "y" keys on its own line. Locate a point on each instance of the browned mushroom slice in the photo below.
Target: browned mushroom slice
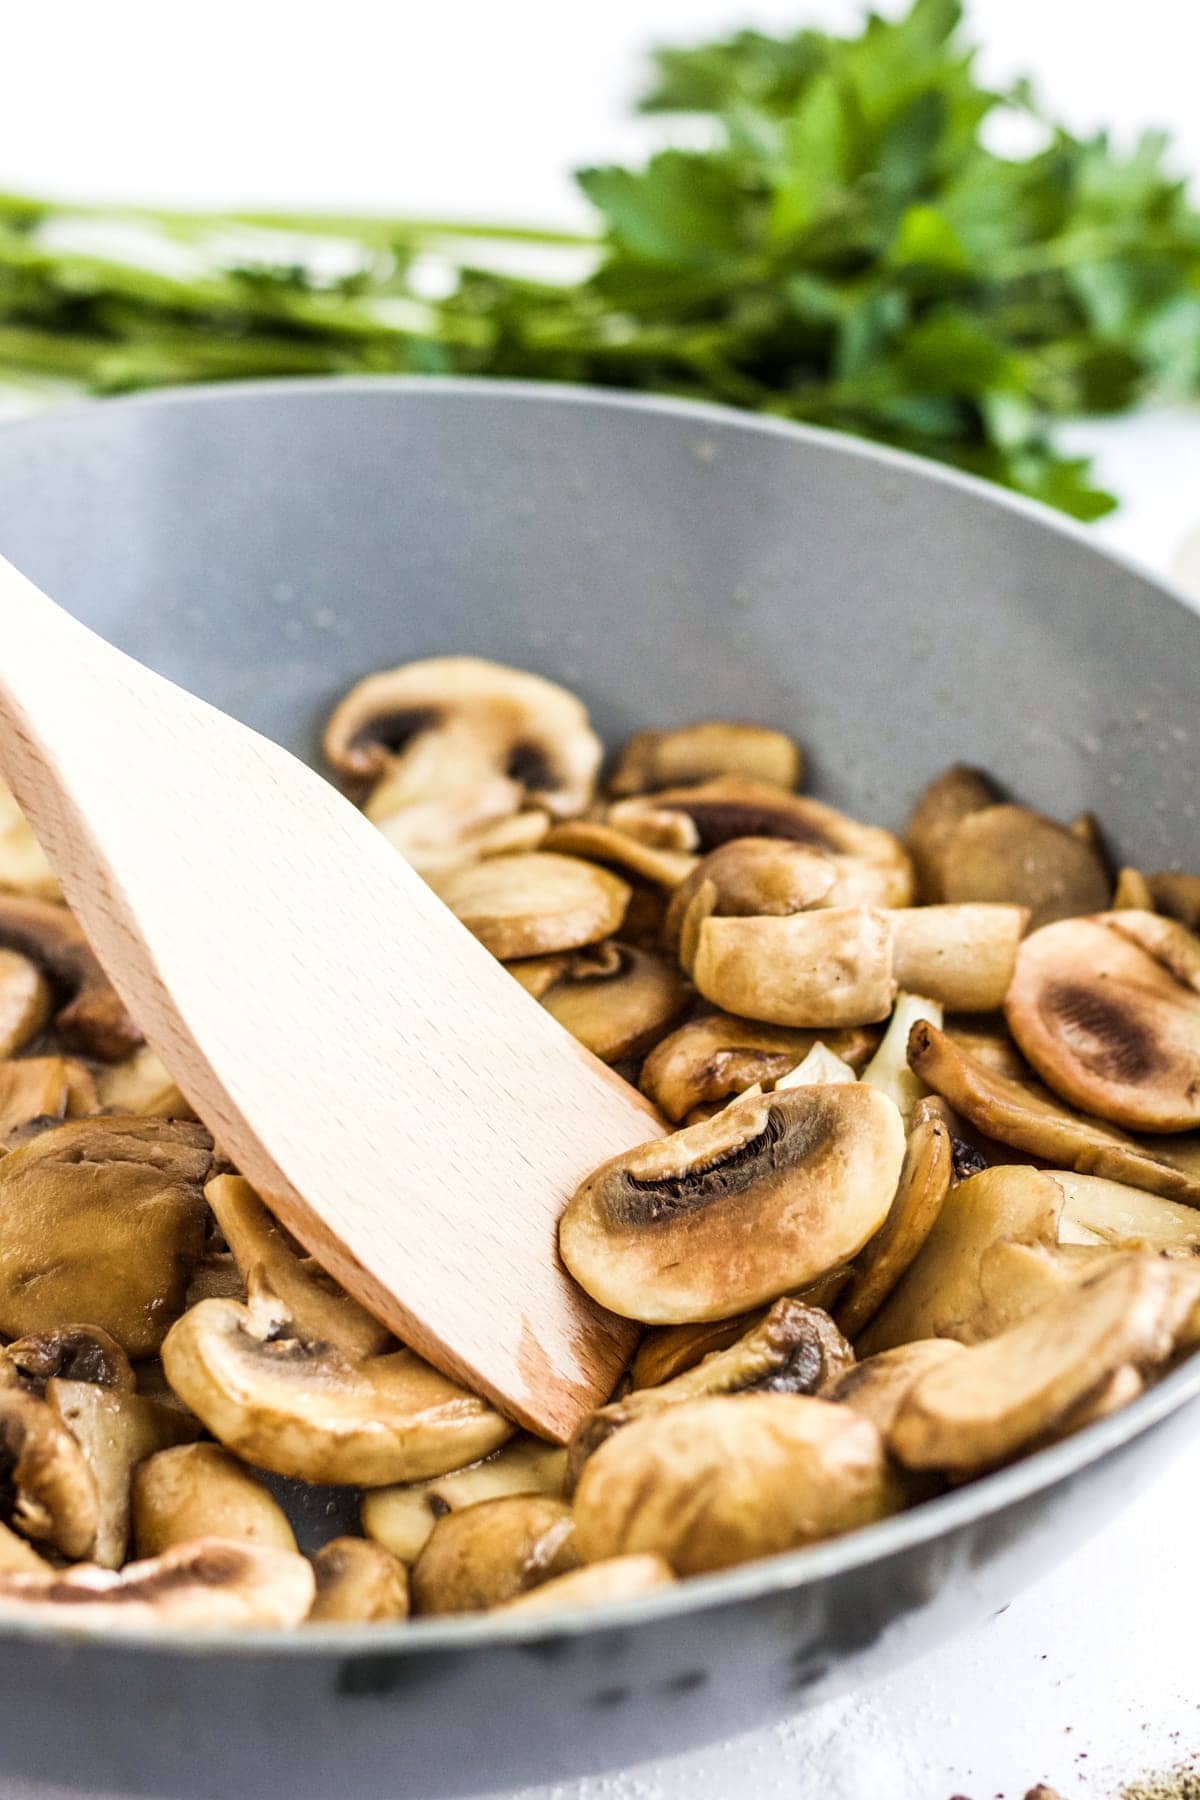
{"x": 402, "y": 1517}
{"x": 751, "y": 876}
{"x": 199, "y": 1490}
{"x": 1108, "y": 1012}
{"x": 101, "y": 1223}
{"x": 669, "y": 1350}
{"x": 878, "y": 1386}
{"x": 598, "y": 1584}
{"x": 141, "y": 1087}
{"x": 962, "y": 956}
{"x": 724, "y": 1480}
{"x": 660, "y": 827}
{"x": 357, "y": 1581}
{"x": 618, "y": 1001}
{"x": 25, "y": 1001}
{"x": 692, "y": 753}
{"x": 832, "y": 967}
{"x": 723, "y": 1216}
{"x": 598, "y": 842}
{"x": 18, "y": 1557}
{"x": 73, "y": 1352}
{"x": 709, "y": 1059}
{"x": 1006, "y": 1396}
{"x": 489, "y": 1553}
{"x": 1096, "y": 1211}
{"x": 888, "y": 1069}
{"x": 1029, "y": 1119}
{"x": 947, "y": 800}
{"x": 91, "y": 1016}
{"x": 795, "y": 1349}
{"x": 205, "y": 1585}
{"x": 1132, "y": 890}
{"x": 43, "y": 1090}
{"x": 54, "y": 1492}
{"x": 1177, "y": 895}
{"x": 300, "y": 1407}
{"x": 533, "y": 905}
{"x": 921, "y": 1192}
{"x": 1010, "y": 853}
{"x": 873, "y": 866}
{"x": 116, "y": 1430}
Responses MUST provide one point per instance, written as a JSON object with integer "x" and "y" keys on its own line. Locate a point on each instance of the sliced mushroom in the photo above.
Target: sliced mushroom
{"x": 618, "y": 1001}
{"x": 1029, "y": 1119}
{"x": 141, "y": 1087}
{"x": 642, "y": 818}
{"x": 888, "y": 1070}
{"x": 26, "y": 1001}
{"x": 964, "y": 956}
{"x": 116, "y": 1430}
{"x": 752, "y": 877}
{"x": 1108, "y": 1013}
{"x": 101, "y": 1223}
{"x": 402, "y": 1518}
{"x": 710, "y": 1059}
{"x": 723, "y": 1216}
{"x": 795, "y": 1349}
{"x": 487, "y": 1554}
{"x": 670, "y": 1350}
{"x": 357, "y": 1581}
{"x": 300, "y": 1407}
{"x": 692, "y": 753}
{"x": 820, "y": 1068}
{"x": 197, "y": 1491}
{"x": 598, "y": 842}
{"x": 205, "y": 1585}
{"x": 723, "y": 1480}
{"x": 23, "y": 865}
{"x": 1132, "y": 890}
{"x": 948, "y": 799}
{"x": 878, "y": 1386}
{"x": 42, "y": 1091}
{"x": 920, "y": 1195}
{"x": 828, "y": 968}
{"x": 598, "y": 1584}
{"x": 1177, "y": 895}
{"x": 1008, "y": 853}
{"x": 19, "y": 1557}
{"x": 54, "y": 1493}
{"x": 93, "y": 1019}
{"x": 980, "y": 1409}
{"x": 533, "y": 905}
{"x": 76, "y": 1353}
{"x": 1096, "y": 1211}
{"x": 314, "y": 1301}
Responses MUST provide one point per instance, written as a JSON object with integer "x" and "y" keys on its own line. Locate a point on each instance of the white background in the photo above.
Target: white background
{"x": 478, "y": 108}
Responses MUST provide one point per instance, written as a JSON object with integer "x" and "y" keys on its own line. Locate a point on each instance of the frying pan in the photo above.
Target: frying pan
{"x": 266, "y": 545}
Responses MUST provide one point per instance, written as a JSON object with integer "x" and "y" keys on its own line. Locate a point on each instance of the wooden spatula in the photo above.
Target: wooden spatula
{"x": 395, "y": 1097}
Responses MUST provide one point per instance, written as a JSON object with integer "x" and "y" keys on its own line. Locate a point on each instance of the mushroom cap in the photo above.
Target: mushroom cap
{"x": 947, "y": 799}
{"x": 357, "y": 1581}
{"x": 487, "y": 1554}
{"x": 403, "y": 1517}
{"x": 55, "y": 1498}
{"x": 534, "y": 904}
{"x": 199, "y": 1491}
{"x": 93, "y": 1019}
{"x": 832, "y": 967}
{"x": 687, "y": 754}
{"x": 752, "y": 876}
{"x": 597, "y": 1584}
{"x": 962, "y": 956}
{"x": 878, "y": 1386}
{"x": 72, "y": 1352}
{"x": 722, "y": 1480}
{"x": 101, "y": 1223}
{"x": 711, "y": 1058}
{"x": 1109, "y": 1024}
{"x": 1012, "y": 854}
{"x": 39, "y": 1091}
{"x": 116, "y": 1430}
{"x": 768, "y": 1195}
{"x": 617, "y": 1000}
{"x": 300, "y": 1407}
{"x": 607, "y": 842}
{"x": 921, "y": 1193}
{"x": 205, "y": 1585}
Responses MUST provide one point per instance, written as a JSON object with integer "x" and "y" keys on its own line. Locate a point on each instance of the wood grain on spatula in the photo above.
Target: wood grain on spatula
{"x": 397, "y": 1099}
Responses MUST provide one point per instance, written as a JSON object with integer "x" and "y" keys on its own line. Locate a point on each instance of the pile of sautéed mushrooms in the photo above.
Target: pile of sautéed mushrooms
{"x": 929, "y": 1200}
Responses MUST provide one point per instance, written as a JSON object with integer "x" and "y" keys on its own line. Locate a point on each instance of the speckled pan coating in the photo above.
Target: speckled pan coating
{"x": 266, "y": 545}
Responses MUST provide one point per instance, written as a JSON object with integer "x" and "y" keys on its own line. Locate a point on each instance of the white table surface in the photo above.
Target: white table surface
{"x": 468, "y": 107}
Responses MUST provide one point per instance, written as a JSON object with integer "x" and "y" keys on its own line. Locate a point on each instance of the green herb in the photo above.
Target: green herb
{"x": 847, "y": 251}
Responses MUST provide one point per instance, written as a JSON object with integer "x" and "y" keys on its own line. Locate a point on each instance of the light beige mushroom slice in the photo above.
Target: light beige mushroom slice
{"x": 116, "y": 1431}
{"x": 597, "y": 1584}
{"x": 709, "y": 1059}
{"x": 652, "y": 760}
{"x": 487, "y": 1554}
{"x": 920, "y": 1195}
{"x": 76, "y": 1353}
{"x": 888, "y": 1070}
{"x": 981, "y": 1409}
{"x": 1108, "y": 1012}
{"x": 964, "y": 955}
{"x": 770, "y": 1194}
{"x": 1011, "y": 854}
{"x": 877, "y": 1387}
{"x": 300, "y": 1407}
{"x": 54, "y": 1492}
{"x": 141, "y": 1087}
{"x": 533, "y": 905}
{"x": 669, "y": 1350}
{"x": 401, "y": 1518}
{"x": 23, "y": 865}
{"x": 820, "y": 1068}
{"x": 994, "y": 1252}
{"x": 752, "y": 877}
{"x": 1029, "y": 1119}
{"x": 723, "y": 1480}
{"x": 617, "y": 1000}
{"x": 26, "y": 1001}
{"x": 204, "y": 1585}
{"x": 1096, "y": 1211}
{"x": 93, "y": 1019}
{"x": 357, "y": 1581}
{"x": 642, "y": 818}
{"x": 42, "y": 1091}
{"x": 101, "y": 1223}
{"x": 795, "y": 1349}
{"x": 828, "y": 968}
{"x": 200, "y": 1490}
{"x": 948, "y": 799}
{"x": 599, "y": 842}
{"x": 314, "y": 1301}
